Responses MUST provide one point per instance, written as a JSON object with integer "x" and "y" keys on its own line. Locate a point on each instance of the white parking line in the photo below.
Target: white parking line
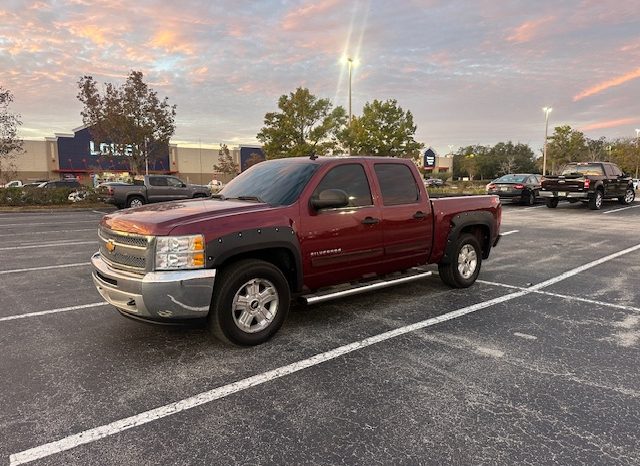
{"x": 622, "y": 208}
{"x": 97, "y": 433}
{"x": 52, "y": 311}
{"x": 507, "y": 233}
{"x": 564, "y": 296}
{"x": 47, "y": 232}
{"x": 47, "y": 267}
{"x": 47, "y": 223}
{"x": 44, "y": 245}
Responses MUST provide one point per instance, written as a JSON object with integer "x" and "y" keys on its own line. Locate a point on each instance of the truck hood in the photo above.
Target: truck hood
{"x": 160, "y": 219}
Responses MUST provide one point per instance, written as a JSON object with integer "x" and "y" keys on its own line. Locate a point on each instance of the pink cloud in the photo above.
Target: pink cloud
{"x": 617, "y": 81}
{"x": 609, "y": 124}
{"x": 297, "y": 17}
{"x": 529, "y": 30}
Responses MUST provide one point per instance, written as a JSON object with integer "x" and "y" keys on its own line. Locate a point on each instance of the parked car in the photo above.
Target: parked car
{"x": 589, "y": 182}
{"x": 153, "y": 188}
{"x": 433, "y": 182}
{"x": 516, "y": 187}
{"x": 60, "y": 184}
{"x": 292, "y": 227}
{"x": 12, "y": 184}
{"x": 636, "y": 183}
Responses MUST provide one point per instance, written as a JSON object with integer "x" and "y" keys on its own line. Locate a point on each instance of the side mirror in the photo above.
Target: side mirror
{"x": 330, "y": 199}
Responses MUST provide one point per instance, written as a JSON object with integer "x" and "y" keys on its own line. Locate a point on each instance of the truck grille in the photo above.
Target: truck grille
{"x": 127, "y": 251}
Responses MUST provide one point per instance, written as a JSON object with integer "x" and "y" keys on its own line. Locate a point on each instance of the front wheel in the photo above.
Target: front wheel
{"x": 552, "y": 202}
{"x": 628, "y": 197}
{"x": 595, "y": 202}
{"x": 465, "y": 263}
{"x": 250, "y": 303}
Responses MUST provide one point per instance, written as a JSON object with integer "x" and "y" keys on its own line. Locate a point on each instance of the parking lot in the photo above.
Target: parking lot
{"x": 537, "y": 363}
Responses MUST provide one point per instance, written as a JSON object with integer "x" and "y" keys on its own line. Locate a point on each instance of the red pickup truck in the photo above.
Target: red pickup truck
{"x": 306, "y": 228}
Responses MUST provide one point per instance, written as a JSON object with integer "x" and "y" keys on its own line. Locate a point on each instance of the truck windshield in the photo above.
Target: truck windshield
{"x": 583, "y": 169}
{"x": 276, "y": 182}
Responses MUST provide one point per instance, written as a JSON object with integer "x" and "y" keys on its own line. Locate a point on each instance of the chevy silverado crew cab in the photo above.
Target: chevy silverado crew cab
{"x": 306, "y": 228}
{"x": 588, "y": 182}
{"x": 153, "y": 188}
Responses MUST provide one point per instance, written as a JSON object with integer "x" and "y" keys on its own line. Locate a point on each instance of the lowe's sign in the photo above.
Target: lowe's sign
{"x": 80, "y": 153}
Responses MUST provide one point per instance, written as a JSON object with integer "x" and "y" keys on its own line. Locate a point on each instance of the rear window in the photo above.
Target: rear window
{"x": 511, "y": 179}
{"x": 594, "y": 169}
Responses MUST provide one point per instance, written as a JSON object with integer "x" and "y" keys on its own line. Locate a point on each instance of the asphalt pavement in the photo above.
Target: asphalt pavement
{"x": 537, "y": 363}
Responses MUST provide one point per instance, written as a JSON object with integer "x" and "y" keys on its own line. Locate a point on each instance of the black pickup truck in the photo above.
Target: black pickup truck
{"x": 588, "y": 182}
{"x": 154, "y": 188}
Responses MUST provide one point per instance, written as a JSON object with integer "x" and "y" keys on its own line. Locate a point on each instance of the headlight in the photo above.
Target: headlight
{"x": 179, "y": 252}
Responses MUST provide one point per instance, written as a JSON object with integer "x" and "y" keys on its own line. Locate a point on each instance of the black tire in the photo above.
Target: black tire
{"x": 135, "y": 201}
{"x": 629, "y": 196}
{"x": 451, "y": 273}
{"x": 595, "y": 201}
{"x": 225, "y": 317}
{"x": 552, "y": 202}
{"x": 529, "y": 198}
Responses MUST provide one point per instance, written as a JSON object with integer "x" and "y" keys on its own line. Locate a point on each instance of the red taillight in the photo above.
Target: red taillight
{"x": 518, "y": 186}
{"x": 491, "y": 186}
{"x": 587, "y": 183}
{"x": 110, "y": 191}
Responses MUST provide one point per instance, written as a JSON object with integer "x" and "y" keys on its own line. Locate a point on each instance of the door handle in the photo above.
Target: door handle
{"x": 419, "y": 214}
{"x": 370, "y": 221}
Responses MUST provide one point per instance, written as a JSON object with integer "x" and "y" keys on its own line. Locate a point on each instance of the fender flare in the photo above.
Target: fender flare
{"x": 466, "y": 219}
{"x": 221, "y": 249}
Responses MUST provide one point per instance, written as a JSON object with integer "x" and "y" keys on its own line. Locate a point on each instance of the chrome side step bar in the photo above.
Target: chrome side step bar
{"x": 316, "y": 298}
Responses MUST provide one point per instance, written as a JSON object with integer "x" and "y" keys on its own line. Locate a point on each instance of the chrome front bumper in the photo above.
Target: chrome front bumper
{"x": 156, "y": 296}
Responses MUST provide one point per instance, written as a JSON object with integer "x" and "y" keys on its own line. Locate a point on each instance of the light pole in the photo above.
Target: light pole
{"x": 546, "y": 111}
{"x": 350, "y": 63}
{"x": 637, "y": 149}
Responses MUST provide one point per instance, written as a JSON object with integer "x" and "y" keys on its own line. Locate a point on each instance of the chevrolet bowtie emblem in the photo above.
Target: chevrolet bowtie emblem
{"x": 111, "y": 246}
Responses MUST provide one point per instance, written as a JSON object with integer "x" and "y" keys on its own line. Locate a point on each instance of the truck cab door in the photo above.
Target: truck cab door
{"x": 178, "y": 190}
{"x": 407, "y": 217}
{"x": 157, "y": 190}
{"x": 341, "y": 244}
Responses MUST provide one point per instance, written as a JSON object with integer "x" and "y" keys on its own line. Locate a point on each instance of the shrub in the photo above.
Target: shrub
{"x": 33, "y": 196}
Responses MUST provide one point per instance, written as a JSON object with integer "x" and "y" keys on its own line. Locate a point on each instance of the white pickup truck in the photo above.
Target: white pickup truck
{"x": 12, "y": 184}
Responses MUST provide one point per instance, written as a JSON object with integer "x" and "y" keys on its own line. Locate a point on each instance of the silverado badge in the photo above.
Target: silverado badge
{"x": 111, "y": 246}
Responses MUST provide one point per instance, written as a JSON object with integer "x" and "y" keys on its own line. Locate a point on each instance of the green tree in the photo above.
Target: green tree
{"x": 10, "y": 144}
{"x": 304, "y": 125}
{"x": 565, "y": 145}
{"x": 131, "y": 117}
{"x": 512, "y": 158}
{"x": 226, "y": 165}
{"x": 626, "y": 154}
{"x": 383, "y": 129}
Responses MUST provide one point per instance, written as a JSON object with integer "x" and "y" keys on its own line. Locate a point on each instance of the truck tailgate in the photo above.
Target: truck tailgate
{"x": 562, "y": 183}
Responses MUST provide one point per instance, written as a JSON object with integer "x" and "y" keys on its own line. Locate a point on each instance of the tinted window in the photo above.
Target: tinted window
{"x": 614, "y": 170}
{"x": 352, "y": 180}
{"x": 276, "y": 182}
{"x": 175, "y": 182}
{"x": 511, "y": 179}
{"x": 594, "y": 169}
{"x": 157, "y": 181}
{"x": 397, "y": 184}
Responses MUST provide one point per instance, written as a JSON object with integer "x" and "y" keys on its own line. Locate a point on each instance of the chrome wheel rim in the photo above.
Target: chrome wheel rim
{"x": 598, "y": 199}
{"x": 255, "y": 305}
{"x": 630, "y": 196}
{"x": 467, "y": 261}
{"x": 135, "y": 203}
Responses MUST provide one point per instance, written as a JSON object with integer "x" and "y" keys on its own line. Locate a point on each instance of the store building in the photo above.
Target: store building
{"x": 77, "y": 155}
{"x": 434, "y": 163}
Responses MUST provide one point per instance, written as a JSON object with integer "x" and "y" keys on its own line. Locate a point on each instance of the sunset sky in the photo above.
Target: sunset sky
{"x": 471, "y": 72}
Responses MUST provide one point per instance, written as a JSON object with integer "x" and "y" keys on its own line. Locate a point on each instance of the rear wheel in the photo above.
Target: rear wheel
{"x": 135, "y": 201}
{"x": 465, "y": 263}
{"x": 250, "y": 303}
{"x": 628, "y": 197}
{"x": 529, "y": 198}
{"x": 552, "y": 202}
{"x": 595, "y": 202}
